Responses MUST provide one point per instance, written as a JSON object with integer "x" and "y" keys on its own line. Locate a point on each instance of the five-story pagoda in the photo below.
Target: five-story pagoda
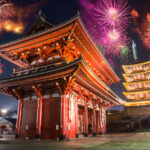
{"x": 137, "y": 84}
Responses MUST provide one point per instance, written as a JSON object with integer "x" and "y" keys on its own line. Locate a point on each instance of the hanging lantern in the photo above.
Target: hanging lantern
{"x": 148, "y": 85}
{"x": 144, "y": 85}
{"x": 135, "y": 77}
{"x": 148, "y": 76}
{"x": 141, "y": 95}
{"x": 129, "y": 96}
{"x": 129, "y": 78}
{"x": 144, "y": 68}
{"x": 128, "y": 70}
{"x": 140, "y": 68}
{"x": 140, "y": 85}
{"x": 142, "y": 76}
{"x": 133, "y": 96}
{"x": 136, "y": 68}
{"x": 138, "y": 76}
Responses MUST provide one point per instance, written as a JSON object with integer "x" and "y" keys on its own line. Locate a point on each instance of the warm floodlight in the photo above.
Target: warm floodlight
{"x": 4, "y": 111}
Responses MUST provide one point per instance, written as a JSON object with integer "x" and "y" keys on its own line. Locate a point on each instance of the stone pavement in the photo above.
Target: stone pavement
{"x": 128, "y": 141}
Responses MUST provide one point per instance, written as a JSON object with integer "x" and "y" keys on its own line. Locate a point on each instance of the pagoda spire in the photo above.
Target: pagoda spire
{"x": 42, "y": 15}
{"x": 41, "y": 23}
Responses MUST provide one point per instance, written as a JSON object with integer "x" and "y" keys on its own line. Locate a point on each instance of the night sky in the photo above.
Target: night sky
{"x": 60, "y": 11}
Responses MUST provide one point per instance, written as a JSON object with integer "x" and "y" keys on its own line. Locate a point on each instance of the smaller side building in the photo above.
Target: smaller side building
{"x": 136, "y": 116}
{"x": 132, "y": 119}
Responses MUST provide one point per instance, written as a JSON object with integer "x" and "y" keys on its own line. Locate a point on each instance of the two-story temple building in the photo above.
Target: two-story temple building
{"x": 61, "y": 82}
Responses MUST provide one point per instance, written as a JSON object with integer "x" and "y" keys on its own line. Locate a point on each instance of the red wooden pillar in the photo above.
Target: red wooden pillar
{"x": 104, "y": 115}
{"x": 85, "y": 119}
{"x": 100, "y": 118}
{"x": 103, "y": 120}
{"x": 19, "y": 113}
{"x": 76, "y": 117}
{"x": 39, "y": 112}
{"x": 19, "y": 117}
{"x": 63, "y": 134}
{"x": 62, "y": 113}
{"x": 39, "y": 117}
{"x": 94, "y": 121}
{"x": 97, "y": 122}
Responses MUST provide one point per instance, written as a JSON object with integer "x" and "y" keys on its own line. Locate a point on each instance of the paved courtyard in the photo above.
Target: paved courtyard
{"x": 129, "y": 141}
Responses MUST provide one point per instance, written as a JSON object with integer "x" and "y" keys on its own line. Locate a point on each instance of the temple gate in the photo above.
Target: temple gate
{"x": 61, "y": 83}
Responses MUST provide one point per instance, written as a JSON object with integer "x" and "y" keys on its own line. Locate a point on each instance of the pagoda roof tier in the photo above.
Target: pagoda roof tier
{"x": 136, "y": 86}
{"x": 138, "y": 95}
{"x": 136, "y": 77}
{"x": 71, "y": 32}
{"x": 140, "y": 67}
{"x": 77, "y": 71}
{"x": 137, "y": 103}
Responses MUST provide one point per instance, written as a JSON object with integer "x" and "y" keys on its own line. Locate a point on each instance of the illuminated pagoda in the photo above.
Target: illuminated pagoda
{"x": 137, "y": 84}
{"x": 137, "y": 79}
{"x": 61, "y": 83}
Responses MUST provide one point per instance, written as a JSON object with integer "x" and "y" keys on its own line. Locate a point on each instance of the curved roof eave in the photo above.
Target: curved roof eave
{"x": 72, "y": 20}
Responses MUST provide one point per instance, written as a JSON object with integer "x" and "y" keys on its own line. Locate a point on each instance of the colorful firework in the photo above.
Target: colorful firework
{"x": 146, "y": 33}
{"x": 148, "y": 17}
{"x": 142, "y": 27}
{"x": 13, "y": 18}
{"x": 109, "y": 36}
{"x": 118, "y": 47}
{"x": 113, "y": 35}
{"x": 113, "y": 13}
{"x": 7, "y": 14}
{"x": 6, "y": 10}
{"x": 106, "y": 22}
{"x": 125, "y": 51}
{"x": 11, "y": 26}
{"x": 134, "y": 13}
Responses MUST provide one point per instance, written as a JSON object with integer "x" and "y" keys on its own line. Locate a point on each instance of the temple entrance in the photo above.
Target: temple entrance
{"x": 90, "y": 121}
{"x": 97, "y": 122}
{"x": 80, "y": 120}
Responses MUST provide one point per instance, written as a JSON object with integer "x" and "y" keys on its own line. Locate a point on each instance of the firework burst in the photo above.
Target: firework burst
{"x": 146, "y": 34}
{"x": 6, "y": 10}
{"x": 106, "y": 22}
{"x": 113, "y": 18}
{"x": 11, "y": 26}
{"x": 113, "y": 35}
{"x": 112, "y": 13}
{"x": 118, "y": 46}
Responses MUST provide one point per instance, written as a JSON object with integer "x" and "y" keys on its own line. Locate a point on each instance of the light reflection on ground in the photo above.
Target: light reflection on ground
{"x": 129, "y": 141}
